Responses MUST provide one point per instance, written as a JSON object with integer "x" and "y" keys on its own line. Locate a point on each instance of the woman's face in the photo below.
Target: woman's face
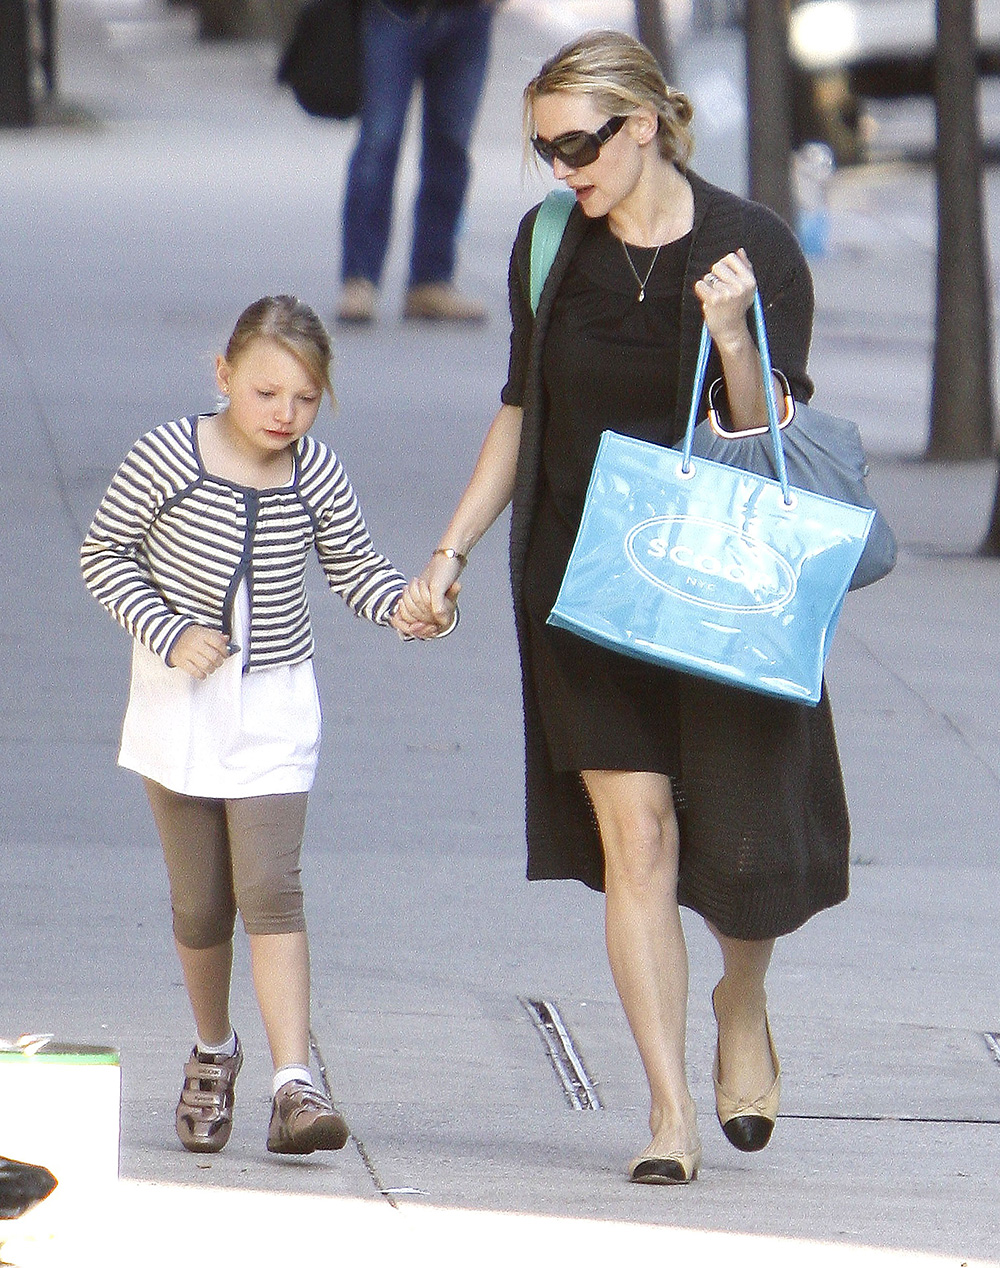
{"x": 614, "y": 174}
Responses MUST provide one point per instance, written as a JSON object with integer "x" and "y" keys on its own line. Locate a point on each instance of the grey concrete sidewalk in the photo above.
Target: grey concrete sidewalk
{"x": 129, "y": 248}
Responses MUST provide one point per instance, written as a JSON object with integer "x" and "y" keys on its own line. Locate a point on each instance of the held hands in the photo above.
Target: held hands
{"x": 427, "y": 605}
{"x": 199, "y": 651}
{"x": 726, "y": 292}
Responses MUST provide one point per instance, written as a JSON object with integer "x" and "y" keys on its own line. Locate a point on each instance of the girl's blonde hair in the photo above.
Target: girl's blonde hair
{"x": 291, "y": 324}
{"x": 622, "y": 76}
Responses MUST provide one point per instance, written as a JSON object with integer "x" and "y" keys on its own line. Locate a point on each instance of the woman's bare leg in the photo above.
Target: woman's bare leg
{"x": 646, "y": 947}
{"x": 745, "y": 1066}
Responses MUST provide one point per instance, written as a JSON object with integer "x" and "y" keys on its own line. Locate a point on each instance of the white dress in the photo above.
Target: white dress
{"x": 232, "y": 734}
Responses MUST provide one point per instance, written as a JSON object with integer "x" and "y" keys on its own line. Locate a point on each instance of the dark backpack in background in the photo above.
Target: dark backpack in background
{"x": 322, "y": 61}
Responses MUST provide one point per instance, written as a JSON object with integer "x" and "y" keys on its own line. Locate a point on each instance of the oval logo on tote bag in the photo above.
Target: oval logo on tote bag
{"x": 711, "y": 564}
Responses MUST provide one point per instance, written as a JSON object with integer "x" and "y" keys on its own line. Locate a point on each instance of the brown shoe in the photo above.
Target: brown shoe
{"x": 303, "y": 1120}
{"x": 440, "y": 301}
{"x": 357, "y": 302}
{"x": 205, "y": 1110}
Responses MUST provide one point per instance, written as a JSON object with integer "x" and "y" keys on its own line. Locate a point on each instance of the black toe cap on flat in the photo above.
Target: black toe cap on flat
{"x": 659, "y": 1171}
{"x": 748, "y": 1132}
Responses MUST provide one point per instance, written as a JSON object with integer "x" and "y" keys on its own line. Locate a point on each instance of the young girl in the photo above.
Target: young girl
{"x": 199, "y": 550}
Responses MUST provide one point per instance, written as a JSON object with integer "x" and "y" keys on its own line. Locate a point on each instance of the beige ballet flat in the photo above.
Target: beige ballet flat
{"x": 747, "y": 1124}
{"x": 674, "y": 1168}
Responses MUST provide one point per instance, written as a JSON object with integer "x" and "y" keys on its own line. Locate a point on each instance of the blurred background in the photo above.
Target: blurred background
{"x": 847, "y": 58}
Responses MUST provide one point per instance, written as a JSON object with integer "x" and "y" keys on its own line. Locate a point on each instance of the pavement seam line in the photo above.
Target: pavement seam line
{"x": 41, "y": 417}
{"x": 359, "y": 1144}
{"x": 576, "y": 1083}
{"x": 918, "y": 1119}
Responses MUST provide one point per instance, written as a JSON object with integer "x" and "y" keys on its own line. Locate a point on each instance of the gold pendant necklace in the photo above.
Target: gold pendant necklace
{"x": 635, "y": 273}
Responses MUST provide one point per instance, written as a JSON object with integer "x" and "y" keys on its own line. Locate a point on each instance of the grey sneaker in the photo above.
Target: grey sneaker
{"x": 205, "y": 1110}
{"x": 304, "y": 1120}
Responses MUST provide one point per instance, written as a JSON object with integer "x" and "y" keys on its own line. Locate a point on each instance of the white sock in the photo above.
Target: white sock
{"x": 288, "y": 1073}
{"x": 226, "y": 1049}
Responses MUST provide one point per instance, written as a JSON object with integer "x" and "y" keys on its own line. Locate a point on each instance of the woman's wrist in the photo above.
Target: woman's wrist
{"x": 735, "y": 342}
{"x": 449, "y": 552}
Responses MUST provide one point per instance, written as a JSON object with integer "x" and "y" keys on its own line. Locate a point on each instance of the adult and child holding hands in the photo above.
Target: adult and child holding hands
{"x": 660, "y": 788}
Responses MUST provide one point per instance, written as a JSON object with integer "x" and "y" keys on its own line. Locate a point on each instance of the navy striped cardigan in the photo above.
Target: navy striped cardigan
{"x": 170, "y": 545}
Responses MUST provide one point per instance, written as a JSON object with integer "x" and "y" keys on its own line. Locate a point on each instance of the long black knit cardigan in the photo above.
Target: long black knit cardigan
{"x": 764, "y": 827}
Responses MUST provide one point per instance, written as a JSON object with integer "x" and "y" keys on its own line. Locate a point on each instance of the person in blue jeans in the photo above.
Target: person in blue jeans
{"x": 445, "y": 45}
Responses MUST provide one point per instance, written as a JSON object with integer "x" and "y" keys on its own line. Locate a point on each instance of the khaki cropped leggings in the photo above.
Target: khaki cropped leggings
{"x": 227, "y": 856}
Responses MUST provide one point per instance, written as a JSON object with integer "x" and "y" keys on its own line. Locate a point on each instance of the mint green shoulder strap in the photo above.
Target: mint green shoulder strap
{"x": 546, "y": 234}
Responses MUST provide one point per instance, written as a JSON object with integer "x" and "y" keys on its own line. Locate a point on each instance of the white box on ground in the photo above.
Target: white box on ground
{"x": 60, "y": 1107}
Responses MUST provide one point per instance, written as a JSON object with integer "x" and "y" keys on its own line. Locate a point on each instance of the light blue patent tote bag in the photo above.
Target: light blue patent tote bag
{"x": 708, "y": 568}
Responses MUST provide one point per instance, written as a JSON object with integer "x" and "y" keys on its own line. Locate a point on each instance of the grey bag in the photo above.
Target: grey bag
{"x": 823, "y": 454}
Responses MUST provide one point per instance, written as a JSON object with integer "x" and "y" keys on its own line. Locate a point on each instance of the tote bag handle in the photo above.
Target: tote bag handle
{"x": 701, "y": 366}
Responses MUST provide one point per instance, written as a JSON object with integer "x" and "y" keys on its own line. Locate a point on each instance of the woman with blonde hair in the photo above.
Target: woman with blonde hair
{"x": 658, "y": 787}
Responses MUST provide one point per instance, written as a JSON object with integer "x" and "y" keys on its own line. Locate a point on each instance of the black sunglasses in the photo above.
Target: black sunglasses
{"x": 578, "y": 149}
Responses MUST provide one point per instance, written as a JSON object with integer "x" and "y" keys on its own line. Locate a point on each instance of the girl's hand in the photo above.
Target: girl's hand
{"x": 199, "y": 651}
{"x": 427, "y": 605}
{"x": 420, "y": 614}
{"x": 726, "y": 292}
{"x": 432, "y": 596}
